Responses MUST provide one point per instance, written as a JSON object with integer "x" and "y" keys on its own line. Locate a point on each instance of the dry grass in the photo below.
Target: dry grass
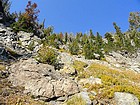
{"x": 13, "y": 95}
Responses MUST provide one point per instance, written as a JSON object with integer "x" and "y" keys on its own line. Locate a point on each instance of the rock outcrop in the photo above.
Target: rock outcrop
{"x": 13, "y": 45}
{"x": 41, "y": 80}
{"x": 9, "y": 44}
{"x": 125, "y": 99}
{"x": 123, "y": 61}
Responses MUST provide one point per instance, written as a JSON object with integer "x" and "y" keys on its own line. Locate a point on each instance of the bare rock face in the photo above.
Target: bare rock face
{"x": 41, "y": 80}
{"x": 125, "y": 99}
{"x": 9, "y": 44}
{"x": 123, "y": 61}
{"x": 17, "y": 44}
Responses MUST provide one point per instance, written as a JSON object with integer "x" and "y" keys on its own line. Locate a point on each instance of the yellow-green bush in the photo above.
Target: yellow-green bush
{"x": 76, "y": 100}
{"x": 47, "y": 55}
{"x": 79, "y": 66}
{"x": 113, "y": 81}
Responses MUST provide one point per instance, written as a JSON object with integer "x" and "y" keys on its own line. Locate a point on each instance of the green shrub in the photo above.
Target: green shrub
{"x": 47, "y": 55}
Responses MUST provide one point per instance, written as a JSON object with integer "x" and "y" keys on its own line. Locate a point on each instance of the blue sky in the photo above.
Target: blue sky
{"x": 82, "y": 15}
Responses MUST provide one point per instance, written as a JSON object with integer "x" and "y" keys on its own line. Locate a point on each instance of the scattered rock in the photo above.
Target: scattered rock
{"x": 125, "y": 99}
{"x": 65, "y": 58}
{"x": 68, "y": 69}
{"x": 91, "y": 81}
{"x": 85, "y": 97}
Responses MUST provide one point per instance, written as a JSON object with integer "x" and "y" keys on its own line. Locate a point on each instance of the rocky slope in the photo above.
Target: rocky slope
{"x": 78, "y": 82}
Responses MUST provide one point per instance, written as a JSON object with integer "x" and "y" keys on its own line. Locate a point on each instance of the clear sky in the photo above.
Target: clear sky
{"x": 82, "y": 15}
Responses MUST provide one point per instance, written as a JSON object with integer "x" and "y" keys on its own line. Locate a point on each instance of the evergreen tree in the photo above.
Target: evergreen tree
{"x": 109, "y": 46}
{"x": 120, "y": 41}
{"x": 91, "y": 35}
{"x": 5, "y": 12}
{"x": 83, "y": 40}
{"x": 89, "y": 50}
{"x": 99, "y": 41}
{"x": 78, "y": 37}
{"x": 66, "y": 38}
{"x": 74, "y": 47}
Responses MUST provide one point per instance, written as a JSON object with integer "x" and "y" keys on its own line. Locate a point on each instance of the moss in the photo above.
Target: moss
{"x": 76, "y": 100}
{"x": 113, "y": 81}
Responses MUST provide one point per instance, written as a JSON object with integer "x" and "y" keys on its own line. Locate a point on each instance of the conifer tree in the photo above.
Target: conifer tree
{"x": 66, "y": 38}
{"x": 74, "y": 47}
{"x": 120, "y": 41}
{"x": 89, "y": 50}
{"x": 91, "y": 35}
{"x": 109, "y": 46}
{"x": 99, "y": 40}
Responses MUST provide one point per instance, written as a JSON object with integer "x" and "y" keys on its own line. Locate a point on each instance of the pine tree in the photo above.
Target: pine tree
{"x": 109, "y": 46}
{"x": 74, "y": 47}
{"x": 91, "y": 35}
{"x": 120, "y": 39}
{"x": 99, "y": 40}
{"x": 89, "y": 50}
{"x": 66, "y": 38}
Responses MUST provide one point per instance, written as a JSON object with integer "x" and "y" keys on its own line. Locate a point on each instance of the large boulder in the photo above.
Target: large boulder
{"x": 41, "y": 80}
{"x": 125, "y": 99}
